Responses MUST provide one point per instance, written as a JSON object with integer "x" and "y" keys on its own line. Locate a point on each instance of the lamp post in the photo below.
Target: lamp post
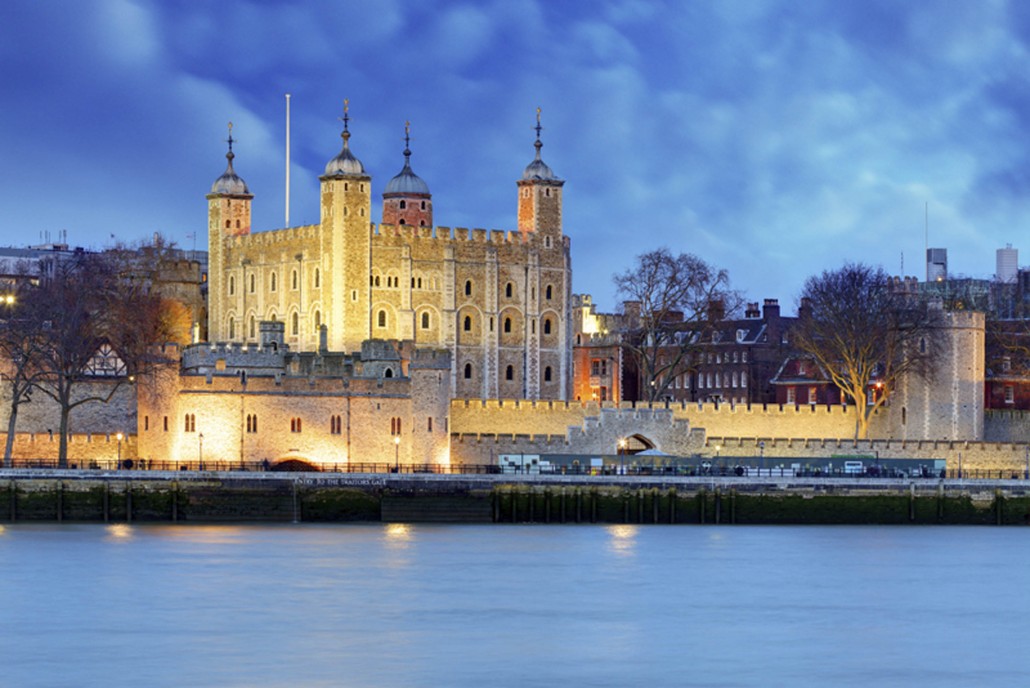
{"x": 622, "y": 456}
{"x": 200, "y": 451}
{"x": 396, "y": 453}
{"x": 120, "y": 437}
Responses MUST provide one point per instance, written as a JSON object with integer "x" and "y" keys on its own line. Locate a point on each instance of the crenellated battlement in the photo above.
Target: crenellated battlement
{"x": 273, "y": 237}
{"x": 226, "y": 358}
{"x": 448, "y": 235}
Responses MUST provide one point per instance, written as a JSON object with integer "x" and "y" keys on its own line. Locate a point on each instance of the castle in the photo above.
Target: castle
{"x": 498, "y": 301}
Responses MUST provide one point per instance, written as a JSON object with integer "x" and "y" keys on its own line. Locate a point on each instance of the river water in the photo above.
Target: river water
{"x": 396, "y": 605}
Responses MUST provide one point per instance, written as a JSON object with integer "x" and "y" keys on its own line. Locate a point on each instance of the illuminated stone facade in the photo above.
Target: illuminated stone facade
{"x": 498, "y": 301}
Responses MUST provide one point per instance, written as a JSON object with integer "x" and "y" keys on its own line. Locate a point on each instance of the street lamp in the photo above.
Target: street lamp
{"x": 120, "y": 437}
{"x": 200, "y": 451}
{"x": 396, "y": 453}
{"x": 622, "y": 456}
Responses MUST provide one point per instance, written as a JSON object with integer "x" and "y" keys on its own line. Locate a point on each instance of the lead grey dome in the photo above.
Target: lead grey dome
{"x": 344, "y": 164}
{"x": 406, "y": 183}
{"x": 230, "y": 183}
{"x": 538, "y": 170}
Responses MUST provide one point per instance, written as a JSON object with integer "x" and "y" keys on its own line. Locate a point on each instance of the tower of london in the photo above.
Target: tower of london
{"x": 497, "y": 301}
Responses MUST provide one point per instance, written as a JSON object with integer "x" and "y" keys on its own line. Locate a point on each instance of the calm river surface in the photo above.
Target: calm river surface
{"x": 394, "y": 605}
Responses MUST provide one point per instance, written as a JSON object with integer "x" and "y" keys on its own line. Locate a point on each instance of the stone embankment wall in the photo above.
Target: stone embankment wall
{"x": 483, "y": 429}
{"x": 101, "y": 449}
{"x": 239, "y": 497}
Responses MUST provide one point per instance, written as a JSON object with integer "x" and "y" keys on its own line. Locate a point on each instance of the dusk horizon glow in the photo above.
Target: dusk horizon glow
{"x": 771, "y": 138}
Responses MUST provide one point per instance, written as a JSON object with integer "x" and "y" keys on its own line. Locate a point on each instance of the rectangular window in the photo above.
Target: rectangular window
{"x": 1010, "y": 394}
{"x": 813, "y": 395}
{"x": 790, "y": 395}
{"x": 429, "y": 424}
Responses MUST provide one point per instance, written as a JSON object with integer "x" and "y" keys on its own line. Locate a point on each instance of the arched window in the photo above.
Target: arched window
{"x": 508, "y": 290}
{"x": 547, "y": 292}
{"x": 388, "y": 373}
{"x": 228, "y": 224}
{"x": 425, "y": 321}
{"x": 468, "y": 323}
{"x": 547, "y": 374}
{"x": 253, "y": 328}
{"x": 381, "y": 319}
{"x": 509, "y": 373}
{"x": 468, "y": 371}
{"x": 404, "y": 204}
{"x": 377, "y": 280}
{"x": 272, "y": 282}
{"x": 507, "y": 325}
{"x": 295, "y": 324}
{"x": 547, "y": 326}
{"x": 232, "y": 328}
{"x": 423, "y": 205}
{"x": 401, "y": 221}
{"x": 468, "y": 287}
{"x": 318, "y": 320}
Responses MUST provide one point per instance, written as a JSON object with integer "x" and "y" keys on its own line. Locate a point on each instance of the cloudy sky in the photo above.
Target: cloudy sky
{"x": 774, "y": 139}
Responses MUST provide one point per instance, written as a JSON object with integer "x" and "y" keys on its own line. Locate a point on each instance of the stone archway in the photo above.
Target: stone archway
{"x": 295, "y": 464}
{"x": 638, "y": 443}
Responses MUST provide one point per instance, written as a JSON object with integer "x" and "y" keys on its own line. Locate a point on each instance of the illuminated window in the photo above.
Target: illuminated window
{"x": 790, "y": 395}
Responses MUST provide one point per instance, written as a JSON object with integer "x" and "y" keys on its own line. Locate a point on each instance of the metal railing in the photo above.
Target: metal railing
{"x": 574, "y": 469}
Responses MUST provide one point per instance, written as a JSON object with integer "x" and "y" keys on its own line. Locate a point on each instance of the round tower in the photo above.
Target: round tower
{"x": 228, "y": 215}
{"x": 406, "y": 200}
{"x": 346, "y": 238}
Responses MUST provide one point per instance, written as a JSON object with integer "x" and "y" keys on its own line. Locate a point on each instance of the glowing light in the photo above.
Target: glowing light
{"x": 119, "y": 531}
{"x": 623, "y": 539}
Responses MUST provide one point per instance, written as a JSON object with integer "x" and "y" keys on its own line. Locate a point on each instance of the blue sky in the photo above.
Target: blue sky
{"x": 774, "y": 139}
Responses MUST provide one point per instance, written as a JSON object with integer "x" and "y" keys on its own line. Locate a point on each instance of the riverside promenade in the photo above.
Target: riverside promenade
{"x": 249, "y": 496}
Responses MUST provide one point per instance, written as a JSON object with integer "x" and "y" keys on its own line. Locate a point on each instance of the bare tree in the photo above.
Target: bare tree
{"x": 99, "y": 324}
{"x": 867, "y": 333}
{"x": 681, "y": 299}
{"x": 19, "y": 348}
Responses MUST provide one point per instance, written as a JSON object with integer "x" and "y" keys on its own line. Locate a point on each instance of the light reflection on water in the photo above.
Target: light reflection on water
{"x": 419, "y": 605}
